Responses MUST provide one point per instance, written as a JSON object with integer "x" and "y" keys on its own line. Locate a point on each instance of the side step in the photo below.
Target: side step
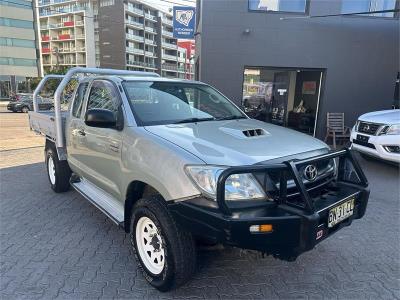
{"x": 102, "y": 200}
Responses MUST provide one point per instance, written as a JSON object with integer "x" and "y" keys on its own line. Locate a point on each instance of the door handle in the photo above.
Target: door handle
{"x": 81, "y": 132}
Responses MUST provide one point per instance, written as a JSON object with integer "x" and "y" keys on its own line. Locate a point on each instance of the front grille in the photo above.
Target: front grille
{"x": 368, "y": 128}
{"x": 325, "y": 169}
{"x": 365, "y": 144}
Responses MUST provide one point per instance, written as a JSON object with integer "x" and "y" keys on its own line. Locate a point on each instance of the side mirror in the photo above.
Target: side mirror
{"x": 98, "y": 117}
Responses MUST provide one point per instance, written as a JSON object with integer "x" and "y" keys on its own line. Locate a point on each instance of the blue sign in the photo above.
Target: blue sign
{"x": 184, "y": 22}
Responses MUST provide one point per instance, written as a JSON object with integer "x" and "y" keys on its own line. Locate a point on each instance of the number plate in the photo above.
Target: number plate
{"x": 341, "y": 212}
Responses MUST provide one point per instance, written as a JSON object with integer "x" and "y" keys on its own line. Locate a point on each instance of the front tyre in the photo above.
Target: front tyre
{"x": 58, "y": 171}
{"x": 25, "y": 109}
{"x": 165, "y": 252}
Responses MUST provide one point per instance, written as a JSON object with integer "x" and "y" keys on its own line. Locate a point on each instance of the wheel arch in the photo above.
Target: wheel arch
{"x": 136, "y": 190}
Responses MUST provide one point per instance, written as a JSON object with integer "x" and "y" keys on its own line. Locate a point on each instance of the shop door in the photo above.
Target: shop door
{"x": 280, "y": 98}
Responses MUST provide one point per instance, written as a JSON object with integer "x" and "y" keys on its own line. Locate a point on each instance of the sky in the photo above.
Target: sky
{"x": 165, "y": 4}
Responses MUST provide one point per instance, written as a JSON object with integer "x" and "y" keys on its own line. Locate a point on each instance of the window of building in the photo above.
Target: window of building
{"x": 106, "y": 3}
{"x": 356, "y": 6}
{"x": 296, "y": 6}
{"x": 16, "y": 42}
{"x": 18, "y": 3}
{"x": 17, "y": 61}
{"x": 16, "y": 23}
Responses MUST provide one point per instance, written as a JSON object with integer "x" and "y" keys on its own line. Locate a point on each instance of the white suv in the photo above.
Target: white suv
{"x": 377, "y": 134}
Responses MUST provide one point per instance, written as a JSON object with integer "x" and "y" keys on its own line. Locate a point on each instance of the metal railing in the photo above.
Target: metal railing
{"x": 64, "y": 82}
{"x": 134, "y": 37}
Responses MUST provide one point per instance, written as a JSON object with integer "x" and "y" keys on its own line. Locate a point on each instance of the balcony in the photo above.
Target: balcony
{"x": 46, "y": 50}
{"x": 80, "y": 36}
{"x": 167, "y": 21}
{"x": 135, "y": 24}
{"x": 169, "y": 67}
{"x": 150, "y": 42}
{"x": 150, "y": 17}
{"x": 167, "y": 33}
{"x": 181, "y": 59}
{"x": 50, "y": 12}
{"x": 169, "y": 45}
{"x": 170, "y": 57}
{"x": 48, "y": 2}
{"x": 134, "y": 37}
{"x": 65, "y": 37}
{"x": 150, "y": 54}
{"x": 135, "y": 50}
{"x": 45, "y": 38}
{"x": 141, "y": 64}
{"x": 135, "y": 10}
{"x": 150, "y": 29}
{"x": 79, "y": 23}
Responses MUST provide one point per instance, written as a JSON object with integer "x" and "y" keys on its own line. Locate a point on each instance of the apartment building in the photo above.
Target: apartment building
{"x": 190, "y": 50}
{"x": 141, "y": 39}
{"x": 17, "y": 47}
{"x": 68, "y": 33}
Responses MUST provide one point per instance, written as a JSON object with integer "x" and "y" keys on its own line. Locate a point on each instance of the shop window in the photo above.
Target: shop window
{"x": 356, "y": 6}
{"x": 285, "y": 97}
{"x": 296, "y": 6}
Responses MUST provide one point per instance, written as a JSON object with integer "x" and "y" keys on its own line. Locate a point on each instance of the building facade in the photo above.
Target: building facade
{"x": 190, "y": 48}
{"x": 290, "y": 70}
{"x": 68, "y": 34}
{"x": 141, "y": 40}
{"x": 18, "y": 57}
{"x": 113, "y": 34}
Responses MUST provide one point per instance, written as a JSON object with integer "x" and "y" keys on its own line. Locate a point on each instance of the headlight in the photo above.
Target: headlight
{"x": 393, "y": 130}
{"x": 237, "y": 186}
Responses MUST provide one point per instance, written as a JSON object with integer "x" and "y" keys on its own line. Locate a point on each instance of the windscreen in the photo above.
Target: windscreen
{"x": 160, "y": 103}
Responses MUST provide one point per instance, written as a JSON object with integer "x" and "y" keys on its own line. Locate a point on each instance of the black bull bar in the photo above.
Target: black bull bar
{"x": 290, "y": 169}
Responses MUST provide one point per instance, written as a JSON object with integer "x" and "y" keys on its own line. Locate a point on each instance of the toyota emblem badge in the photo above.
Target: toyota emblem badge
{"x": 310, "y": 172}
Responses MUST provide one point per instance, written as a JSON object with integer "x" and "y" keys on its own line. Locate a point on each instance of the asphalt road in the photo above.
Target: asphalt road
{"x": 60, "y": 246}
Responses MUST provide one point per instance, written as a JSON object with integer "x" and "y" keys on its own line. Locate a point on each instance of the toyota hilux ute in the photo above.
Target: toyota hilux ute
{"x": 174, "y": 161}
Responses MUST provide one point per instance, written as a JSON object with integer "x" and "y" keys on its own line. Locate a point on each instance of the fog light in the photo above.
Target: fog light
{"x": 260, "y": 228}
{"x": 392, "y": 149}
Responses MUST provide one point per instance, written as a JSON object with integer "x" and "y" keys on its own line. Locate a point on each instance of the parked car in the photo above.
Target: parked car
{"x": 25, "y": 104}
{"x": 377, "y": 134}
{"x": 172, "y": 161}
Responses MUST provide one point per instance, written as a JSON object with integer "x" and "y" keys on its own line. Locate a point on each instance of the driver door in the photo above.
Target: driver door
{"x": 101, "y": 159}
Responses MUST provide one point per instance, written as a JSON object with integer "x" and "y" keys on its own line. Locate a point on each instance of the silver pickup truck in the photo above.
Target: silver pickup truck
{"x": 175, "y": 161}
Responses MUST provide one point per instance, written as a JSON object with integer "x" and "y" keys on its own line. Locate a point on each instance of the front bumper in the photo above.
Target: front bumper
{"x": 375, "y": 145}
{"x": 295, "y": 229}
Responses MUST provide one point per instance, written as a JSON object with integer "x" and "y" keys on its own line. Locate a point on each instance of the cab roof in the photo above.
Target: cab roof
{"x": 157, "y": 79}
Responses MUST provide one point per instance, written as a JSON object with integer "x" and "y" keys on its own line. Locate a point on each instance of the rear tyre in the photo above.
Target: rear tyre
{"x": 165, "y": 252}
{"x": 25, "y": 109}
{"x": 58, "y": 171}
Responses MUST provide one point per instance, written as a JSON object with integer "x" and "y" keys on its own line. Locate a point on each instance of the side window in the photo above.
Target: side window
{"x": 78, "y": 101}
{"x": 103, "y": 95}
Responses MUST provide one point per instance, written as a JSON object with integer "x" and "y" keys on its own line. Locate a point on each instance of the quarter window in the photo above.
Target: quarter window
{"x": 78, "y": 102}
{"x": 103, "y": 95}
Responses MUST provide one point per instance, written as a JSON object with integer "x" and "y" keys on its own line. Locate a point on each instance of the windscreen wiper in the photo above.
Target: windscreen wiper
{"x": 231, "y": 118}
{"x": 194, "y": 120}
